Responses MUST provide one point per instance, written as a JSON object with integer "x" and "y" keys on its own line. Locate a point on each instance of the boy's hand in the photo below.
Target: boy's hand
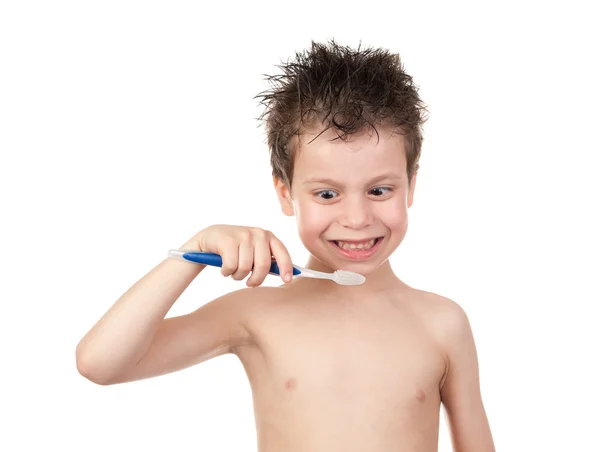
{"x": 244, "y": 250}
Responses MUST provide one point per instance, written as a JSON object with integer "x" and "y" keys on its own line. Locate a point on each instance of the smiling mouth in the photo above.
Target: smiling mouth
{"x": 356, "y": 245}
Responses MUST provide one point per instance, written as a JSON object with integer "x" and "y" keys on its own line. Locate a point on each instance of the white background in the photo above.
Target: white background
{"x": 126, "y": 127}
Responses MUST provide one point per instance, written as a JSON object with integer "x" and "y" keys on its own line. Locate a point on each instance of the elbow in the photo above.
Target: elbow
{"x": 89, "y": 368}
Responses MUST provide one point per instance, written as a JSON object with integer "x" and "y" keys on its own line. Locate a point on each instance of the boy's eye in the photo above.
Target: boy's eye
{"x": 379, "y": 191}
{"x": 326, "y": 194}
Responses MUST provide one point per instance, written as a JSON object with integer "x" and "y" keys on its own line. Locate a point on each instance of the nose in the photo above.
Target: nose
{"x": 356, "y": 213}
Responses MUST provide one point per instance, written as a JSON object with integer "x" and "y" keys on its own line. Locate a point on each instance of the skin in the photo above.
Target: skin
{"x": 331, "y": 367}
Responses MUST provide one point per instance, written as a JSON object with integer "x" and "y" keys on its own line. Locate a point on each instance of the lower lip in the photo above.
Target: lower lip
{"x": 356, "y": 254}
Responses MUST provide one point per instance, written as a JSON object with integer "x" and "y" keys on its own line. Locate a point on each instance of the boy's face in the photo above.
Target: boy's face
{"x": 350, "y": 198}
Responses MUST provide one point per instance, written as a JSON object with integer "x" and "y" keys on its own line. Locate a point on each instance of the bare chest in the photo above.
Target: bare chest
{"x": 378, "y": 358}
{"x": 345, "y": 376}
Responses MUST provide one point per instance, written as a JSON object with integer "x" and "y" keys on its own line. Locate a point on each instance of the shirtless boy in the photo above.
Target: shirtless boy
{"x": 332, "y": 368}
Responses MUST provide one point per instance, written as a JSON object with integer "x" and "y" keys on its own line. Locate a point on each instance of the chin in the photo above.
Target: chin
{"x": 364, "y": 268}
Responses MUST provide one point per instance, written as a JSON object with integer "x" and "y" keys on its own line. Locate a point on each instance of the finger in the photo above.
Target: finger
{"x": 229, "y": 252}
{"x": 245, "y": 260}
{"x": 262, "y": 263}
{"x": 283, "y": 258}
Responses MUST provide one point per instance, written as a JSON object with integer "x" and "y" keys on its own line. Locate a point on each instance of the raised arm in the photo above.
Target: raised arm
{"x": 122, "y": 336}
{"x": 133, "y": 340}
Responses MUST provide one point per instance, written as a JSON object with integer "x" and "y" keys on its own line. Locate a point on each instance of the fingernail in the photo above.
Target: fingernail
{"x": 287, "y": 277}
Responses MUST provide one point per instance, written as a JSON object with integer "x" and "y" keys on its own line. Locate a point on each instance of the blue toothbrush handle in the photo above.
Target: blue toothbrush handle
{"x": 274, "y": 270}
{"x": 215, "y": 260}
{"x": 211, "y": 259}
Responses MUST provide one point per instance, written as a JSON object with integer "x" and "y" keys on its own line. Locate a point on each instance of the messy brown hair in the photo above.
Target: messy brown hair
{"x": 343, "y": 88}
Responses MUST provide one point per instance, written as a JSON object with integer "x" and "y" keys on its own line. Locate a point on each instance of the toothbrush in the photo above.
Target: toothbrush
{"x": 342, "y": 277}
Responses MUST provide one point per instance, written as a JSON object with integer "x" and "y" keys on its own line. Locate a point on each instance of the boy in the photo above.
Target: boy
{"x": 331, "y": 367}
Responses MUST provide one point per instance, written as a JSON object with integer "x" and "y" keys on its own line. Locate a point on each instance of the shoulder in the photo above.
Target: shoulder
{"x": 247, "y": 297}
{"x": 248, "y": 301}
{"x": 447, "y": 324}
{"x": 249, "y": 304}
{"x": 258, "y": 311}
{"x": 259, "y": 297}
{"x": 445, "y": 318}
{"x": 445, "y": 310}
{"x": 234, "y": 312}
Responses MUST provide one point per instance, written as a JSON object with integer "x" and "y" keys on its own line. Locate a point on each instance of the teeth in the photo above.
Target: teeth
{"x": 355, "y": 246}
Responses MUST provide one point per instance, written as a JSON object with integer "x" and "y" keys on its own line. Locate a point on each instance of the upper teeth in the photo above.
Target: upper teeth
{"x": 356, "y": 245}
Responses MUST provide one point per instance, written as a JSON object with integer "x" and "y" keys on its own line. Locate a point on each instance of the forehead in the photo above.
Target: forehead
{"x": 361, "y": 156}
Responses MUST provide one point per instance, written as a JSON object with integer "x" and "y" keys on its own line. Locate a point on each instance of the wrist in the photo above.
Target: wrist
{"x": 192, "y": 244}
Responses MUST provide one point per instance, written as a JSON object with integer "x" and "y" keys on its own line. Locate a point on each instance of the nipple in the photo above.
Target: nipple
{"x": 290, "y": 384}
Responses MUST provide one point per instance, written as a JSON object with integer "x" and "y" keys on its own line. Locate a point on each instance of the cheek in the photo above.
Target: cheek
{"x": 394, "y": 215}
{"x": 312, "y": 218}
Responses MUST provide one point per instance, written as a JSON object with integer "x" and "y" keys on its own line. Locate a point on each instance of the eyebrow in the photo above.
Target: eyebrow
{"x": 319, "y": 180}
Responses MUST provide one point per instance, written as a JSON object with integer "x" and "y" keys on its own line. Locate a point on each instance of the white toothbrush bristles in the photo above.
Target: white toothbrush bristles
{"x": 343, "y": 277}
{"x": 347, "y": 278}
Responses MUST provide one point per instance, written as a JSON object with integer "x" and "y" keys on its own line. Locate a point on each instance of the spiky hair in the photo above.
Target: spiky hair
{"x": 335, "y": 86}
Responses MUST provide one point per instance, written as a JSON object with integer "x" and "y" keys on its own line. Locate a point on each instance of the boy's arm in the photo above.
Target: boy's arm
{"x": 460, "y": 391}
{"x": 214, "y": 329}
{"x": 133, "y": 340}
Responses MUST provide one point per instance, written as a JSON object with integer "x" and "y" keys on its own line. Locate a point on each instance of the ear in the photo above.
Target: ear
{"x": 284, "y": 196}
{"x": 411, "y": 192}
